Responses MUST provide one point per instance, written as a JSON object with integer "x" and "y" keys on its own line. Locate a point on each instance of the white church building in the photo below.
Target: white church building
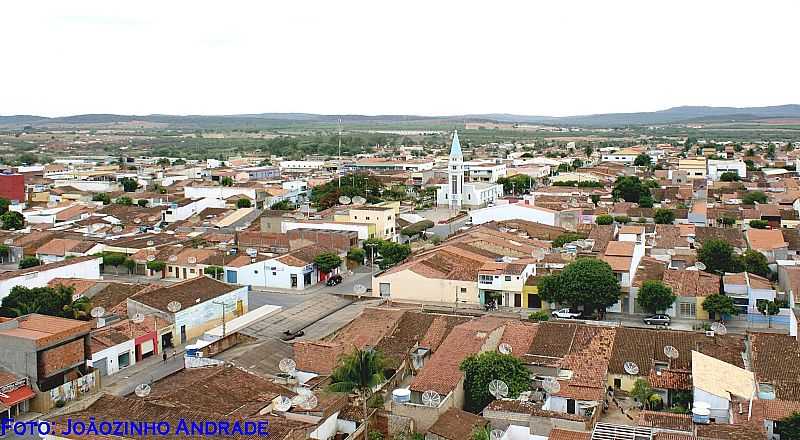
{"x": 458, "y": 194}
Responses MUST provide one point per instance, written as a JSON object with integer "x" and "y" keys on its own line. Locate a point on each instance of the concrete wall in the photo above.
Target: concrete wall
{"x": 720, "y": 407}
{"x": 405, "y": 285}
{"x": 111, "y": 356}
{"x": 512, "y": 212}
{"x": 207, "y": 315}
{"x": 39, "y": 277}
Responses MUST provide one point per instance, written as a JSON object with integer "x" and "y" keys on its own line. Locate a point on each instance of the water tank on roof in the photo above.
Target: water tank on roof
{"x": 701, "y": 412}
{"x": 401, "y": 395}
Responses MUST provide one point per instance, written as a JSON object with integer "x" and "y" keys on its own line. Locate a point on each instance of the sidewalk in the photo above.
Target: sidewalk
{"x": 145, "y": 371}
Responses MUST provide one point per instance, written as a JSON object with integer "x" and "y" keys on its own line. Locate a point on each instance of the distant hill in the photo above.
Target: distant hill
{"x": 668, "y": 116}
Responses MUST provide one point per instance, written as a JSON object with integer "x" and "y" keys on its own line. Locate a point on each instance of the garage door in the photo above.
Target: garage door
{"x": 147, "y": 346}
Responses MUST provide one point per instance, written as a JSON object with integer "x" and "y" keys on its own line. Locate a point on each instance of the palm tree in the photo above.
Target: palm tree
{"x": 359, "y": 372}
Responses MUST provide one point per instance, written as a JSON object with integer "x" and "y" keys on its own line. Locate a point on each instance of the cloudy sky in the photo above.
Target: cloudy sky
{"x": 429, "y": 57}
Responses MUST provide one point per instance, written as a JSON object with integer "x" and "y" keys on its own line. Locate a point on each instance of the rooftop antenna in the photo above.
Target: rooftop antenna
{"x": 283, "y": 404}
{"x": 719, "y": 328}
{"x": 496, "y": 434}
{"x": 344, "y": 200}
{"x": 142, "y": 390}
{"x": 431, "y": 398}
{"x": 498, "y": 389}
{"x": 309, "y": 402}
{"x": 700, "y": 266}
{"x": 287, "y": 366}
{"x": 97, "y": 312}
{"x": 551, "y": 385}
{"x": 671, "y": 353}
{"x": 631, "y": 368}
{"x": 174, "y": 306}
{"x": 505, "y": 348}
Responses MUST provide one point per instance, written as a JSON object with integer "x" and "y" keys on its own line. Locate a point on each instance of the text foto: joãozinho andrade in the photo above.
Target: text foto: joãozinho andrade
{"x": 130, "y": 428}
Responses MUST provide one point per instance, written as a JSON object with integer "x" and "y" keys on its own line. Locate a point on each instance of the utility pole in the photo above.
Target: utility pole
{"x": 338, "y": 166}
{"x": 222, "y": 303}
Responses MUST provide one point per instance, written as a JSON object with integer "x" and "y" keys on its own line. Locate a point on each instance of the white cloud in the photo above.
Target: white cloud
{"x": 420, "y": 57}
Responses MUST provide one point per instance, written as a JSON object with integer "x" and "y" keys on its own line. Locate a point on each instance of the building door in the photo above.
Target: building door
{"x": 184, "y": 273}
{"x": 534, "y": 302}
{"x": 166, "y": 340}
{"x": 307, "y": 279}
{"x": 517, "y": 300}
{"x": 570, "y": 406}
{"x": 183, "y": 334}
{"x": 231, "y": 276}
{"x": 102, "y": 366}
{"x": 294, "y": 281}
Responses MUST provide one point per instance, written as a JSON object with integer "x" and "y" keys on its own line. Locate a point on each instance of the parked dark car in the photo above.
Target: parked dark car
{"x": 333, "y": 280}
{"x": 657, "y": 320}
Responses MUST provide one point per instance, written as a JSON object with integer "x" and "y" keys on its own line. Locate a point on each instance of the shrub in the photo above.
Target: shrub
{"x": 604, "y": 220}
{"x": 539, "y": 316}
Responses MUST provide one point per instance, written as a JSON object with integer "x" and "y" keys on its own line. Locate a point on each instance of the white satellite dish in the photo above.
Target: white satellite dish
{"x": 344, "y": 200}
{"x": 284, "y": 404}
{"x": 173, "y": 258}
{"x": 671, "y": 352}
{"x": 719, "y": 328}
{"x": 304, "y": 392}
{"x": 137, "y": 220}
{"x": 360, "y": 289}
{"x": 8, "y": 241}
{"x": 496, "y": 434}
{"x": 138, "y": 318}
{"x": 191, "y": 260}
{"x": 287, "y": 365}
{"x": 116, "y": 229}
{"x": 309, "y": 402}
{"x": 498, "y": 389}
{"x": 251, "y": 252}
{"x": 631, "y": 368}
{"x": 358, "y": 200}
{"x": 150, "y": 242}
{"x": 174, "y": 306}
{"x": 142, "y": 390}
{"x": 431, "y": 398}
{"x": 151, "y": 258}
{"x": 505, "y": 348}
{"x": 97, "y": 312}
{"x": 700, "y": 266}
{"x": 551, "y": 385}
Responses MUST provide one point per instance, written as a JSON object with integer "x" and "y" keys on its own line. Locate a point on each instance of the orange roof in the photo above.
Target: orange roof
{"x": 618, "y": 264}
{"x": 620, "y": 248}
{"x": 57, "y": 246}
{"x": 44, "y": 329}
{"x": 765, "y": 239}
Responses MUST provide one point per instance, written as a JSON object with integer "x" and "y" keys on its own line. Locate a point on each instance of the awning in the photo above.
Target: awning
{"x": 20, "y": 394}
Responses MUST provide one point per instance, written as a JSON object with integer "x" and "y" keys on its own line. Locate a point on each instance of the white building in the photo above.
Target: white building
{"x": 362, "y": 229}
{"x": 183, "y": 209}
{"x": 295, "y": 270}
{"x": 717, "y": 384}
{"x": 456, "y": 193}
{"x": 301, "y": 165}
{"x": 718, "y": 167}
{"x": 513, "y": 211}
{"x": 626, "y": 156}
{"x": 79, "y": 267}
{"x": 483, "y": 171}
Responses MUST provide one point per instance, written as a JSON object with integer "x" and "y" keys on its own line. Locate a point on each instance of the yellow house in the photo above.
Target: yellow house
{"x": 695, "y": 168}
{"x": 382, "y": 217}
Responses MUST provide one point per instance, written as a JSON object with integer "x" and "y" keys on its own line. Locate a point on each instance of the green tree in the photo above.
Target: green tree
{"x": 717, "y": 255}
{"x": 359, "y": 372}
{"x": 753, "y": 197}
{"x": 664, "y": 216}
{"x": 29, "y": 261}
{"x": 163, "y": 162}
{"x": 52, "y": 301}
{"x": 129, "y": 184}
{"x": 629, "y": 188}
{"x": 157, "y": 266}
{"x": 730, "y": 176}
{"x": 5, "y": 251}
{"x": 789, "y": 428}
{"x": 481, "y": 433}
{"x": 129, "y": 264}
{"x": 12, "y": 220}
{"x": 604, "y": 219}
{"x": 623, "y": 219}
{"x": 768, "y": 309}
{"x": 646, "y": 201}
{"x": 759, "y": 224}
{"x": 539, "y": 316}
{"x": 4, "y": 204}
{"x": 243, "y": 203}
{"x": 327, "y": 261}
{"x": 390, "y": 253}
{"x": 101, "y": 197}
{"x": 215, "y": 272}
{"x": 417, "y": 228}
{"x": 719, "y": 305}
{"x": 481, "y": 369}
{"x": 516, "y": 184}
{"x": 283, "y": 205}
{"x": 142, "y": 202}
{"x": 642, "y": 391}
{"x": 728, "y": 221}
{"x": 567, "y": 237}
{"x": 226, "y": 181}
{"x": 595, "y": 199}
{"x": 655, "y": 296}
{"x": 586, "y": 282}
{"x": 754, "y": 262}
{"x": 588, "y": 150}
{"x": 114, "y": 259}
{"x": 356, "y": 255}
{"x": 124, "y": 200}
{"x": 642, "y": 160}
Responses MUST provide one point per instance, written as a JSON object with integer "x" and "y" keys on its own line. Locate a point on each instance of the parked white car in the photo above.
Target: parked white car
{"x": 566, "y": 314}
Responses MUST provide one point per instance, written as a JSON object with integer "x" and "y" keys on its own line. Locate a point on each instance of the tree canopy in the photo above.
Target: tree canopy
{"x": 664, "y": 216}
{"x": 642, "y": 160}
{"x": 719, "y": 305}
{"x": 586, "y": 282}
{"x": 567, "y": 237}
{"x": 754, "y": 197}
{"x": 4, "y": 204}
{"x": 101, "y": 197}
{"x": 729, "y": 176}
{"x": 129, "y": 184}
{"x": 53, "y": 301}
{"x": 243, "y": 203}
{"x": 389, "y": 252}
{"x": 604, "y": 219}
{"x": 655, "y": 296}
{"x": 481, "y": 369}
{"x": 327, "y": 195}
{"x": 629, "y": 188}
{"x": 754, "y": 262}
{"x": 717, "y": 255}
{"x": 516, "y": 184}
{"x": 789, "y": 427}
{"x": 29, "y": 261}
{"x": 759, "y": 224}
{"x": 359, "y": 372}
{"x": 12, "y": 220}
{"x": 327, "y": 261}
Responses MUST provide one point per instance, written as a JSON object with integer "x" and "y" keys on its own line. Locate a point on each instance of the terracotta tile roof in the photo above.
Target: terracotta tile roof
{"x": 533, "y": 230}
{"x": 765, "y": 239}
{"x": 44, "y": 329}
{"x": 121, "y": 331}
{"x": 672, "y": 436}
{"x": 602, "y": 235}
{"x": 665, "y": 420}
{"x": 669, "y": 237}
{"x": 670, "y": 379}
{"x": 774, "y": 409}
{"x": 730, "y": 432}
{"x": 620, "y": 248}
{"x": 618, "y": 264}
{"x": 530, "y": 408}
{"x": 441, "y": 373}
{"x": 57, "y": 247}
{"x": 776, "y": 359}
{"x": 588, "y": 359}
{"x": 456, "y": 424}
{"x": 302, "y": 256}
{"x": 564, "y": 434}
{"x": 188, "y": 293}
{"x": 519, "y": 335}
{"x": 691, "y": 283}
{"x": 318, "y": 357}
{"x": 734, "y": 236}
{"x": 649, "y": 269}
{"x": 369, "y": 328}
{"x": 79, "y": 286}
{"x": 440, "y": 327}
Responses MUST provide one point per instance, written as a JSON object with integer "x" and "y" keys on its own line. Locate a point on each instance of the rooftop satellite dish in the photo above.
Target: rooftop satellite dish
{"x": 344, "y": 200}
{"x": 142, "y": 390}
{"x": 287, "y": 365}
{"x": 360, "y": 289}
{"x": 496, "y": 434}
{"x": 251, "y": 252}
{"x": 191, "y": 260}
{"x": 97, "y": 312}
{"x": 284, "y": 404}
{"x": 719, "y": 328}
{"x": 138, "y": 318}
{"x": 309, "y": 402}
{"x": 173, "y": 306}
{"x": 551, "y": 385}
{"x": 631, "y": 368}
{"x": 431, "y": 398}
{"x": 150, "y": 242}
{"x": 498, "y": 389}
{"x": 137, "y": 220}
{"x": 358, "y": 200}
{"x": 700, "y": 266}
{"x": 505, "y": 348}
{"x": 116, "y": 229}
{"x": 671, "y": 352}
{"x": 304, "y": 392}
{"x": 173, "y": 258}
{"x": 151, "y": 258}
{"x": 8, "y": 241}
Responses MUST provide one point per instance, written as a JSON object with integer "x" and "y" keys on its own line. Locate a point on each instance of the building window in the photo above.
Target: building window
{"x": 485, "y": 279}
{"x": 508, "y": 277}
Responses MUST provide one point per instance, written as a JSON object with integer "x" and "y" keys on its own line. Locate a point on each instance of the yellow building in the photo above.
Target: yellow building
{"x": 382, "y": 217}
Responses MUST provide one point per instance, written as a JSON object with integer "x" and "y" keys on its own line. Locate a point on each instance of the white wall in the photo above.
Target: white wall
{"x": 511, "y": 212}
{"x": 327, "y": 429}
{"x": 218, "y": 192}
{"x": 111, "y": 354}
{"x": 199, "y": 315}
{"x": 39, "y": 277}
{"x": 720, "y": 407}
